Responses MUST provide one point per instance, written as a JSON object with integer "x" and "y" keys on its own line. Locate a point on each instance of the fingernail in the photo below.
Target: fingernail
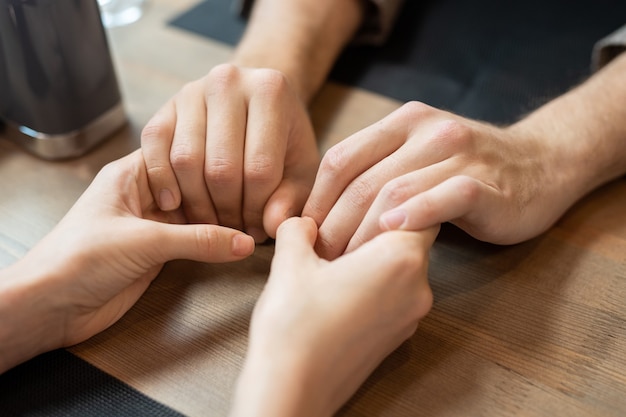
{"x": 242, "y": 245}
{"x": 166, "y": 200}
{"x": 393, "y": 219}
{"x": 259, "y": 235}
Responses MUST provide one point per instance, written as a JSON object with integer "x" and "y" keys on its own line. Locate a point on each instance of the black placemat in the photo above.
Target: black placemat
{"x": 60, "y": 384}
{"x": 487, "y": 59}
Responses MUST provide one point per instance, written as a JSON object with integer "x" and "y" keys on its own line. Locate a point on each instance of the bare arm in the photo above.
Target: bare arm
{"x": 300, "y": 38}
{"x": 501, "y": 185}
{"x": 85, "y": 274}
{"x": 236, "y": 147}
{"x": 29, "y": 322}
{"x": 586, "y": 129}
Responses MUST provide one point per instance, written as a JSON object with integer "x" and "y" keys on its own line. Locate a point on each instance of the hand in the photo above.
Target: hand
{"x": 96, "y": 263}
{"x": 420, "y": 167}
{"x": 320, "y": 328}
{"x": 235, "y": 148}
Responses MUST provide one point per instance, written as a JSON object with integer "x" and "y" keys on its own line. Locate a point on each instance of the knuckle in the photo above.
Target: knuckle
{"x": 259, "y": 170}
{"x": 154, "y": 131}
{"x": 221, "y": 171}
{"x": 270, "y": 82}
{"x": 467, "y": 188}
{"x": 361, "y": 193}
{"x": 396, "y": 192}
{"x": 409, "y": 261}
{"x": 208, "y": 240}
{"x": 335, "y": 160}
{"x": 414, "y": 109}
{"x": 189, "y": 89}
{"x": 156, "y": 172}
{"x": 223, "y": 75}
{"x": 183, "y": 160}
{"x": 452, "y": 134}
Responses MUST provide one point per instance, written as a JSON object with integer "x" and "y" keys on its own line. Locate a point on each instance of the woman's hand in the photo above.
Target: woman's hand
{"x": 320, "y": 328}
{"x": 95, "y": 264}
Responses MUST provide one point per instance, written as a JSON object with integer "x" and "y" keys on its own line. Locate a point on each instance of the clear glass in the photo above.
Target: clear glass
{"x": 120, "y": 12}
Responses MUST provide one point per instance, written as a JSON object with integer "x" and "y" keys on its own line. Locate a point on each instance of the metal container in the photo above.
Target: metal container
{"x": 59, "y": 95}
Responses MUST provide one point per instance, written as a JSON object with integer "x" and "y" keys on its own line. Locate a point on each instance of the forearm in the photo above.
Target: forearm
{"x": 288, "y": 387}
{"x": 585, "y": 130}
{"x": 301, "y": 38}
{"x": 26, "y": 318}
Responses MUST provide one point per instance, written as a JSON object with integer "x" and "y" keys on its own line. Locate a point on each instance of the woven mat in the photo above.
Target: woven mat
{"x": 60, "y": 384}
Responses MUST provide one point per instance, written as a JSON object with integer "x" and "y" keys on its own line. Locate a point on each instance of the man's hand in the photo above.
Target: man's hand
{"x": 421, "y": 166}
{"x": 235, "y": 148}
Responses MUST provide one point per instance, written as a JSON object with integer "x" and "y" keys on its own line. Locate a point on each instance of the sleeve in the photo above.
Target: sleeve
{"x": 242, "y": 7}
{"x": 608, "y": 48}
{"x": 380, "y": 16}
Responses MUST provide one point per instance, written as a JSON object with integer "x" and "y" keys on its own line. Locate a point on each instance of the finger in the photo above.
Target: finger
{"x": 389, "y": 248}
{"x": 392, "y": 194}
{"x": 203, "y": 243}
{"x": 266, "y": 143}
{"x": 427, "y": 146}
{"x": 156, "y": 141}
{"x": 460, "y": 199}
{"x": 391, "y": 270}
{"x": 350, "y": 209}
{"x": 294, "y": 243}
{"x": 347, "y": 160}
{"x": 287, "y": 201}
{"x": 225, "y": 141}
{"x": 301, "y": 164}
{"x": 188, "y": 153}
{"x": 397, "y": 191}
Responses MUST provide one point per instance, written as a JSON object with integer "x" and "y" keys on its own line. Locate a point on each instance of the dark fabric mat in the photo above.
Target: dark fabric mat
{"x": 59, "y": 383}
{"x": 487, "y": 59}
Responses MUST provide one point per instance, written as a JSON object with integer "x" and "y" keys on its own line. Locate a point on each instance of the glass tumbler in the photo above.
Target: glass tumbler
{"x": 120, "y": 12}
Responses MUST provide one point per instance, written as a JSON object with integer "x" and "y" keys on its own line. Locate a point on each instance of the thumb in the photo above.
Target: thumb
{"x": 295, "y": 238}
{"x": 286, "y": 201}
{"x": 198, "y": 242}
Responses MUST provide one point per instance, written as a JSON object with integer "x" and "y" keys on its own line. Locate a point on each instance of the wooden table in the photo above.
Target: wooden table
{"x": 528, "y": 330}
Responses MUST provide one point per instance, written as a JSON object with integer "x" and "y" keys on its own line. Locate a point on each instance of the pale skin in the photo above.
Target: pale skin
{"x": 419, "y": 166}
{"x": 237, "y": 147}
{"x": 96, "y": 263}
{"x": 500, "y": 184}
{"x": 317, "y": 335}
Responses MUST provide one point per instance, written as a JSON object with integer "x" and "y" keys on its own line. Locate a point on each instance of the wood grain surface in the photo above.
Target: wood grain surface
{"x": 536, "y": 329}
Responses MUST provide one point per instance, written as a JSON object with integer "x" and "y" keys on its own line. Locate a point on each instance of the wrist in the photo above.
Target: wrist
{"x": 300, "y": 38}
{"x": 279, "y": 382}
{"x": 253, "y": 57}
{"x": 30, "y": 322}
{"x": 585, "y": 128}
{"x": 556, "y": 156}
